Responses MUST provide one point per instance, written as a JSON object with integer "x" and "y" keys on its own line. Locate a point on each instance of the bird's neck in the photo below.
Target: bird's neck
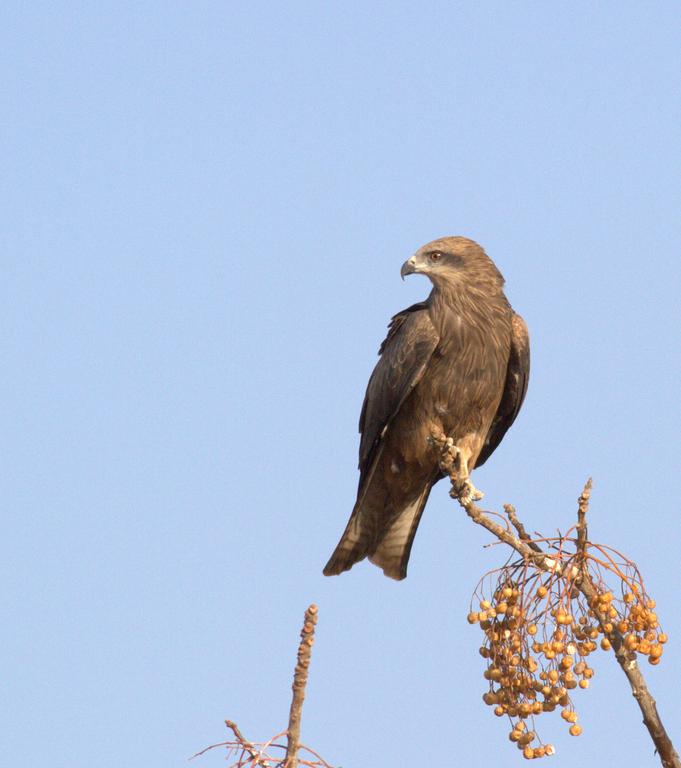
{"x": 467, "y": 296}
{"x": 467, "y": 302}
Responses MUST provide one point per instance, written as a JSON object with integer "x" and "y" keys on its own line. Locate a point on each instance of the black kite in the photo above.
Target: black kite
{"x": 456, "y": 363}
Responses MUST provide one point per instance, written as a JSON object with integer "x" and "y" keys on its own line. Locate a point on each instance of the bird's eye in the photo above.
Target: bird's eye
{"x": 435, "y": 256}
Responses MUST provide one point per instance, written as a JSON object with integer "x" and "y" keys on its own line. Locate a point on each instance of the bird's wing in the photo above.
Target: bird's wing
{"x": 517, "y": 375}
{"x": 405, "y": 353}
{"x": 384, "y": 530}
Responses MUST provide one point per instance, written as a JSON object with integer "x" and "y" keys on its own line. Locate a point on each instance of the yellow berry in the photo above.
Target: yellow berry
{"x": 631, "y": 642}
{"x": 575, "y": 730}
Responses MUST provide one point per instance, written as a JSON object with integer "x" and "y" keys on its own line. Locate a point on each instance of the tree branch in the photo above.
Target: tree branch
{"x": 299, "y": 683}
{"x": 250, "y": 748}
{"x": 533, "y": 553}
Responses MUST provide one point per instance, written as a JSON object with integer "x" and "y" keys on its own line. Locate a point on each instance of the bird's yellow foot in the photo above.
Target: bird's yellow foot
{"x": 465, "y": 492}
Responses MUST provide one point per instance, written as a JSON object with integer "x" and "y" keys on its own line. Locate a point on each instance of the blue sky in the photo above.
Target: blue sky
{"x": 205, "y": 208}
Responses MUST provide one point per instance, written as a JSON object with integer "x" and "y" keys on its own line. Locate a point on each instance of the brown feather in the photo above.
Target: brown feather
{"x": 515, "y": 387}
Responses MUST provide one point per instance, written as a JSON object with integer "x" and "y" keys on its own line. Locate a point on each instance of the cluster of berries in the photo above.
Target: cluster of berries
{"x": 539, "y": 633}
{"x": 634, "y": 618}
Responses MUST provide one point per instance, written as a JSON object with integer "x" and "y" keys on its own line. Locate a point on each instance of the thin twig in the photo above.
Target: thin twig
{"x": 582, "y": 531}
{"x": 250, "y": 748}
{"x": 585, "y": 584}
{"x": 522, "y": 533}
{"x": 299, "y": 683}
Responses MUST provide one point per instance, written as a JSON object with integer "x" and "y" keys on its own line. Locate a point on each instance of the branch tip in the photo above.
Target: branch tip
{"x": 299, "y": 683}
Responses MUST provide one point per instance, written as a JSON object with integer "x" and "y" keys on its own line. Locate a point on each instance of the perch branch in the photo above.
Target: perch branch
{"x": 626, "y": 660}
{"x": 533, "y": 553}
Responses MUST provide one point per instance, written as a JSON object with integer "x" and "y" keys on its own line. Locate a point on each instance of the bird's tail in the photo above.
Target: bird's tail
{"x": 390, "y": 549}
{"x": 353, "y": 546}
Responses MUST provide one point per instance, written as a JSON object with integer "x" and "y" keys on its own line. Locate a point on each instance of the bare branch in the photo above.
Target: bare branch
{"x": 252, "y": 752}
{"x": 522, "y": 533}
{"x": 249, "y": 754}
{"x": 299, "y": 683}
{"x": 582, "y": 509}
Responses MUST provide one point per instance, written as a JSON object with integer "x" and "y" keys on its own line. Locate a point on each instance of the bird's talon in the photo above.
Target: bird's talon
{"x": 466, "y": 492}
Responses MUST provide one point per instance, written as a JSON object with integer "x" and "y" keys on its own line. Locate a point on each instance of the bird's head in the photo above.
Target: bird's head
{"x": 452, "y": 261}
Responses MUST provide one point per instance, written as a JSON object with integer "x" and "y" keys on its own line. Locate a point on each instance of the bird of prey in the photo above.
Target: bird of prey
{"x": 456, "y": 363}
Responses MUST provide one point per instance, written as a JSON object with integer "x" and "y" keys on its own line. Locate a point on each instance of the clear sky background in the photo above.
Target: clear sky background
{"x": 205, "y": 207}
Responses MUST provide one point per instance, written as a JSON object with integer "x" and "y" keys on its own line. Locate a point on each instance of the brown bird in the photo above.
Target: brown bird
{"x": 458, "y": 364}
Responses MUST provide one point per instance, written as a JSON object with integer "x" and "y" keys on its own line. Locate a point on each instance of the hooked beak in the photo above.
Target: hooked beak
{"x": 408, "y": 268}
